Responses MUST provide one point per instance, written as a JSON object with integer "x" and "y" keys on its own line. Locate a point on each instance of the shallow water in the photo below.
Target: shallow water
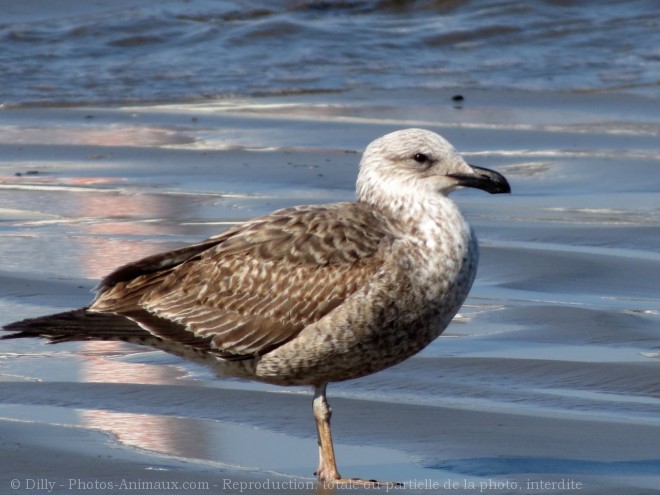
{"x": 559, "y": 335}
{"x": 550, "y": 370}
{"x": 95, "y": 52}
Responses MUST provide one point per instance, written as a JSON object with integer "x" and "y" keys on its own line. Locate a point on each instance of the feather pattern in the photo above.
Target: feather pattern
{"x": 255, "y": 287}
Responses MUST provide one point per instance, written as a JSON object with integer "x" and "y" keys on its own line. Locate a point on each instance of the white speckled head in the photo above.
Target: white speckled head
{"x": 418, "y": 164}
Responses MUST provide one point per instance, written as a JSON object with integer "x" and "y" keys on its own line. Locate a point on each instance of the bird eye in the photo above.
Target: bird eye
{"x": 421, "y": 158}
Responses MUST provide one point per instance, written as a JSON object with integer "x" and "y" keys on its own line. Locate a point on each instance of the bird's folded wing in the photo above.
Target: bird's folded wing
{"x": 251, "y": 289}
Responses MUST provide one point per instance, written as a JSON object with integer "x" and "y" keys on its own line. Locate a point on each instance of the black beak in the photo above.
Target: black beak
{"x": 484, "y": 179}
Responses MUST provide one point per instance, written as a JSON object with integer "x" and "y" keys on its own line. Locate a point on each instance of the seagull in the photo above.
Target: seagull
{"x": 306, "y": 295}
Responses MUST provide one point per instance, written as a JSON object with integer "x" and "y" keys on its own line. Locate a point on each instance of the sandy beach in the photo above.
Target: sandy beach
{"x": 133, "y": 127}
{"x": 545, "y": 383}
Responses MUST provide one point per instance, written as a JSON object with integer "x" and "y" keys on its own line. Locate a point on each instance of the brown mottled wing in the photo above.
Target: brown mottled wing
{"x": 255, "y": 287}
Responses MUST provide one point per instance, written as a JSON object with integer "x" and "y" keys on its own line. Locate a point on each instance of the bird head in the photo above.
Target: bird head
{"x": 419, "y": 163}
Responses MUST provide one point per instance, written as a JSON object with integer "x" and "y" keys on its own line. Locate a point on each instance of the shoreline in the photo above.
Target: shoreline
{"x": 549, "y": 374}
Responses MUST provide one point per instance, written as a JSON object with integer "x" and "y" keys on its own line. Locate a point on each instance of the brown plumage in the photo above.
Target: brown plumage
{"x": 256, "y": 286}
{"x": 311, "y": 294}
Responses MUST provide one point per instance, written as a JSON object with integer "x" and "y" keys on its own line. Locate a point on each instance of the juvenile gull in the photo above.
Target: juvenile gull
{"x": 311, "y": 294}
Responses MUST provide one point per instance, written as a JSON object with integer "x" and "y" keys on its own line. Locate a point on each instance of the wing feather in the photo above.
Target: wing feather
{"x": 255, "y": 287}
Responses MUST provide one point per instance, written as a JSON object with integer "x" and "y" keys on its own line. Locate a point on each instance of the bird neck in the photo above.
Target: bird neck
{"x": 424, "y": 213}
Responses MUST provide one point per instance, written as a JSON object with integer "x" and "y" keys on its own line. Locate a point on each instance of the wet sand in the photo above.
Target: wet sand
{"x": 548, "y": 376}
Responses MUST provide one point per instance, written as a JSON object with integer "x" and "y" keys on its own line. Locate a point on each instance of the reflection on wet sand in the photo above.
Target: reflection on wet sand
{"x": 99, "y": 366}
{"x": 98, "y": 135}
{"x": 160, "y": 434}
{"x": 106, "y": 240}
{"x": 145, "y": 431}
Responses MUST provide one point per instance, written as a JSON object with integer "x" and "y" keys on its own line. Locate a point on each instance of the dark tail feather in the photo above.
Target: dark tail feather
{"x": 78, "y": 324}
